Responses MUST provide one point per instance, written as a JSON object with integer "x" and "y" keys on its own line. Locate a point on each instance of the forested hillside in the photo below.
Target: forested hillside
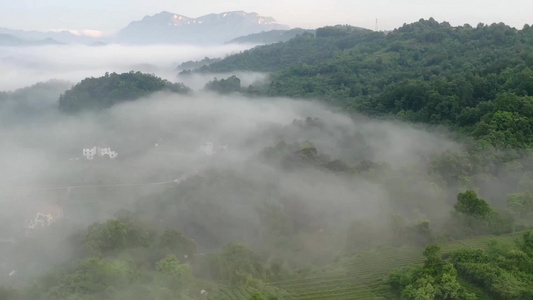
{"x": 269, "y": 37}
{"x": 32, "y": 103}
{"x": 304, "y": 49}
{"x": 103, "y": 92}
{"x": 476, "y": 79}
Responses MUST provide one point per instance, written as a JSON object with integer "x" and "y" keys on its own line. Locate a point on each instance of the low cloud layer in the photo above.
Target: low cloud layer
{"x": 197, "y": 162}
{"x": 24, "y": 66}
{"x": 180, "y": 134}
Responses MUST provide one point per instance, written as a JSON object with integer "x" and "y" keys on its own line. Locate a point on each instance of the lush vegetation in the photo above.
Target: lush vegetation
{"x": 126, "y": 258}
{"x": 478, "y": 217}
{"x": 365, "y": 275}
{"x": 475, "y": 79}
{"x": 439, "y": 278}
{"x": 436, "y": 279}
{"x": 304, "y": 49}
{"x": 503, "y": 270}
{"x": 229, "y": 85}
{"x": 188, "y": 65}
{"x": 104, "y": 92}
{"x": 269, "y": 37}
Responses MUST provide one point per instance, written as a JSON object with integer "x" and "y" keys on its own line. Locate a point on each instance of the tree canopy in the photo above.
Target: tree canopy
{"x": 229, "y": 85}
{"x": 106, "y": 91}
{"x": 476, "y": 80}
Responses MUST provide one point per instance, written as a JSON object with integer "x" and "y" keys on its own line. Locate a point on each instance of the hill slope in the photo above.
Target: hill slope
{"x": 471, "y": 79}
{"x": 104, "y": 92}
{"x": 362, "y": 276}
{"x": 307, "y": 48}
{"x": 269, "y": 37}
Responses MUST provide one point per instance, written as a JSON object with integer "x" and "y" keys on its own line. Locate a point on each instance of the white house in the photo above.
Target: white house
{"x": 99, "y": 152}
{"x": 45, "y": 215}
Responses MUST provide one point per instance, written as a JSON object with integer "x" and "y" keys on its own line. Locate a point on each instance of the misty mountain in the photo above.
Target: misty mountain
{"x": 170, "y": 28}
{"x": 32, "y": 104}
{"x": 305, "y": 48}
{"x": 189, "y": 65}
{"x": 269, "y": 37}
{"x": 421, "y": 72}
{"x": 110, "y": 89}
{"x": 10, "y": 40}
{"x": 63, "y": 36}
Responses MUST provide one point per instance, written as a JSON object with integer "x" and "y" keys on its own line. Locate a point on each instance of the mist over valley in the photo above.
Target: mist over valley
{"x": 332, "y": 163}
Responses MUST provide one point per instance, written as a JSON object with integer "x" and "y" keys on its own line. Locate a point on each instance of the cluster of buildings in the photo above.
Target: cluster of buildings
{"x": 99, "y": 152}
{"x": 44, "y": 217}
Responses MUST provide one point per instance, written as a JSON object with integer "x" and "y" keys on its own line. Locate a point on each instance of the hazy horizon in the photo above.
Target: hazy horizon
{"x": 109, "y": 17}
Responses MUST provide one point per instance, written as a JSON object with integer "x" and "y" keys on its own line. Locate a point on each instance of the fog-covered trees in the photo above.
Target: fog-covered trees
{"x": 229, "y": 85}
{"x": 115, "y": 235}
{"x": 126, "y": 258}
{"x": 176, "y": 276}
{"x": 476, "y": 80}
{"x": 104, "y": 92}
{"x": 469, "y": 204}
{"x": 505, "y": 271}
{"x": 436, "y": 280}
{"x": 475, "y": 216}
{"x": 521, "y": 204}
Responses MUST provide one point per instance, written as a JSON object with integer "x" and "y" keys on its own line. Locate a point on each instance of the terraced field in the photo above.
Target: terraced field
{"x": 480, "y": 294}
{"x": 479, "y": 242}
{"x": 232, "y": 293}
{"x": 362, "y": 276}
{"x": 226, "y": 292}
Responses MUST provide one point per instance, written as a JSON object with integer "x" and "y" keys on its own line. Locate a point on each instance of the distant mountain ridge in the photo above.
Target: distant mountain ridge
{"x": 13, "y": 41}
{"x": 270, "y": 37}
{"x": 171, "y": 28}
{"x": 161, "y": 28}
{"x": 63, "y": 36}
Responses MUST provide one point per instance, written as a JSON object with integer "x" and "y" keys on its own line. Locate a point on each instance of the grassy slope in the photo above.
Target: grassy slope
{"x": 362, "y": 276}
{"x": 233, "y": 293}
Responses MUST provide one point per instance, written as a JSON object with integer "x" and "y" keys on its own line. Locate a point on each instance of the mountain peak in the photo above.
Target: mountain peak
{"x": 172, "y": 28}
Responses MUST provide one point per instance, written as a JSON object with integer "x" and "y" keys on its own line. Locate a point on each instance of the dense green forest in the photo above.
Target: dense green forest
{"x": 103, "y": 92}
{"x": 188, "y": 65}
{"x": 231, "y": 84}
{"x": 503, "y": 270}
{"x": 269, "y": 37}
{"x": 305, "y": 49}
{"x": 474, "y": 79}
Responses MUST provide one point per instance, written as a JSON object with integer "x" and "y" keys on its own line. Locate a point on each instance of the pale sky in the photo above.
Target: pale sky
{"x": 112, "y": 15}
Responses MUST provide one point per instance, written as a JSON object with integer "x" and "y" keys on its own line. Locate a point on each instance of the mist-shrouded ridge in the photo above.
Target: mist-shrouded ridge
{"x": 174, "y": 141}
{"x": 171, "y": 28}
{"x": 274, "y": 173}
{"x": 47, "y": 37}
